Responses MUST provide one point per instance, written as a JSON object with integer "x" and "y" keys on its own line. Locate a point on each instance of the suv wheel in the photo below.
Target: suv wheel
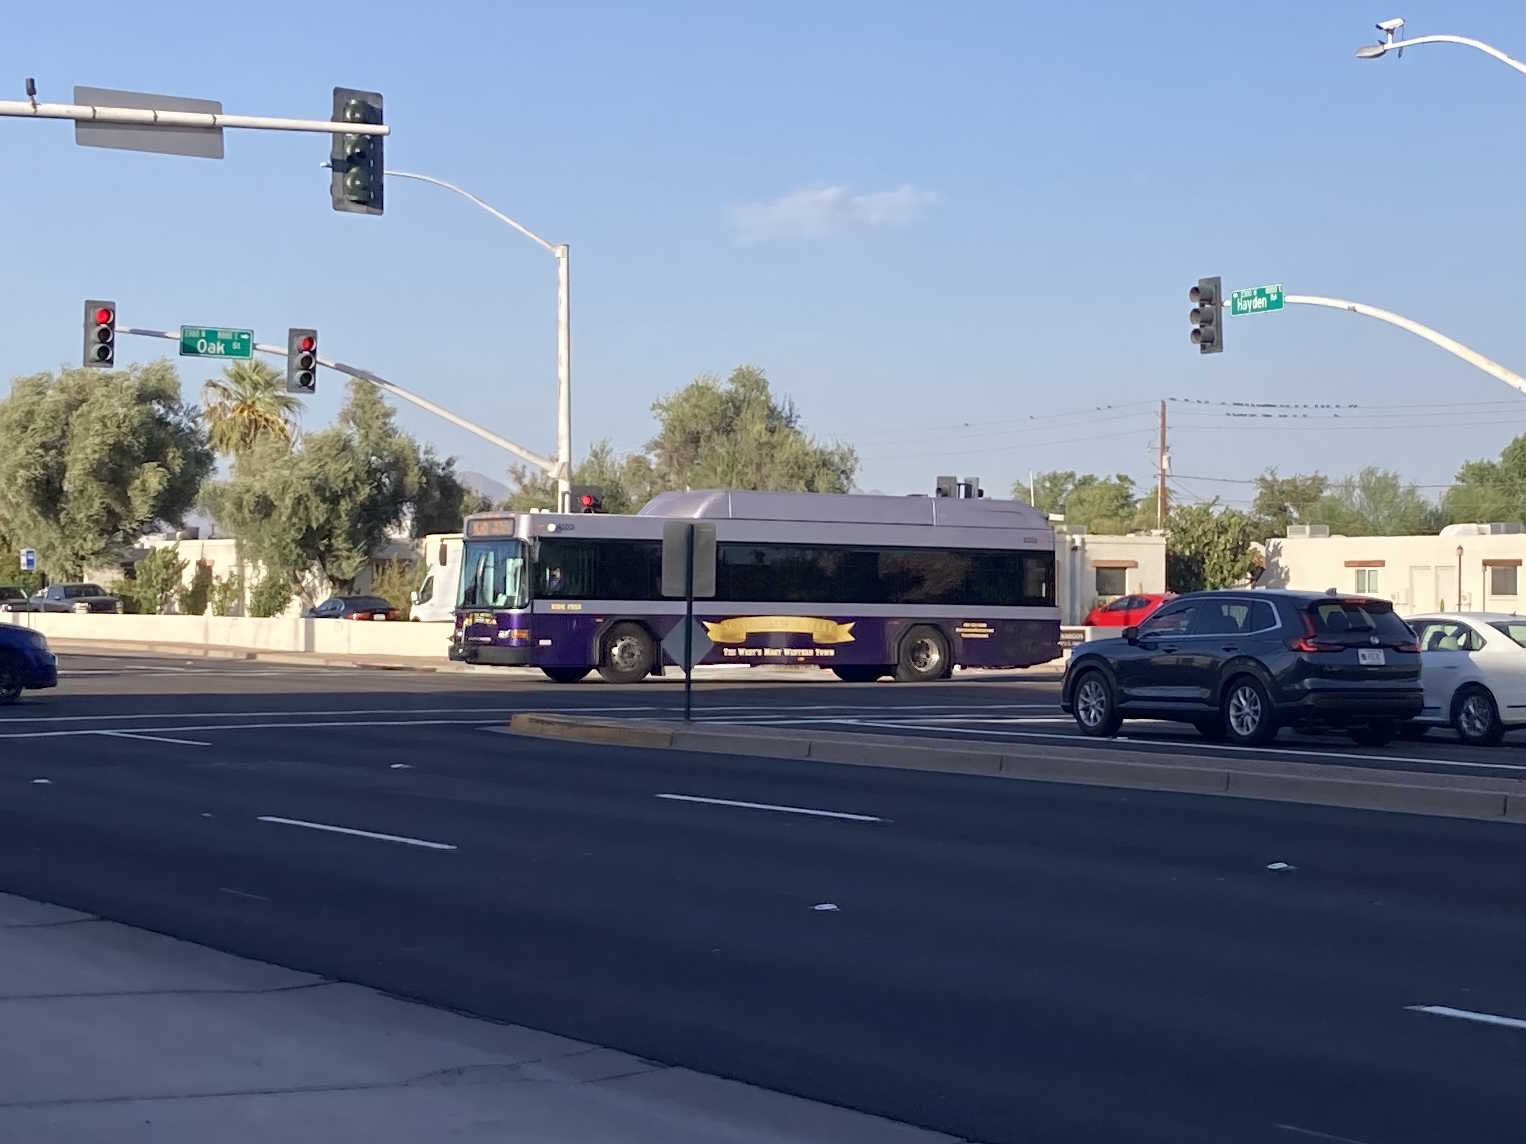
{"x": 1095, "y": 708}
{"x": 1477, "y": 718}
{"x": 1248, "y": 717}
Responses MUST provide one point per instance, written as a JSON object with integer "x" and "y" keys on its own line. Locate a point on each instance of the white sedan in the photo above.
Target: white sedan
{"x": 1473, "y": 670}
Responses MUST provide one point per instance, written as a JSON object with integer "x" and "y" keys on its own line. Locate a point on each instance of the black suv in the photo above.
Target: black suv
{"x": 1241, "y": 664}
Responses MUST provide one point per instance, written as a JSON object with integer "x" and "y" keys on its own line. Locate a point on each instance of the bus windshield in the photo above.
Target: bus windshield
{"x": 493, "y": 575}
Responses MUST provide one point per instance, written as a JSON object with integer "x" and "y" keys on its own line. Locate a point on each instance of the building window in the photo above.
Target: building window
{"x": 1367, "y": 580}
{"x": 1110, "y": 581}
{"x": 1502, "y": 579}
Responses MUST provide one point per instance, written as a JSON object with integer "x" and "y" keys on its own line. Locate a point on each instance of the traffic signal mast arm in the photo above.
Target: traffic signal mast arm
{"x": 546, "y": 465}
{"x": 147, "y": 117}
{"x": 1435, "y": 337}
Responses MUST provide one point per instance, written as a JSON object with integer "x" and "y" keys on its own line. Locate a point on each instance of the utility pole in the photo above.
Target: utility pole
{"x": 1160, "y": 492}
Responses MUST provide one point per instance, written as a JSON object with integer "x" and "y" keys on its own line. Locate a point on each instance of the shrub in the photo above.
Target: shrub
{"x": 394, "y": 581}
{"x": 270, "y": 596}
{"x": 226, "y": 593}
{"x": 157, "y": 579}
{"x": 192, "y": 599}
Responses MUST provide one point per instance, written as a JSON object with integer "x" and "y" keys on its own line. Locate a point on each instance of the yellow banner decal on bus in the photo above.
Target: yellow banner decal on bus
{"x": 737, "y": 630}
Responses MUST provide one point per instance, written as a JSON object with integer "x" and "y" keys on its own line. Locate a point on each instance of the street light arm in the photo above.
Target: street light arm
{"x": 1436, "y": 338}
{"x": 465, "y": 194}
{"x": 1466, "y": 42}
{"x": 546, "y": 465}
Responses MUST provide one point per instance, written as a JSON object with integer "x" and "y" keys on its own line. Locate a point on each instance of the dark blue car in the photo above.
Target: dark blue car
{"x": 25, "y": 662}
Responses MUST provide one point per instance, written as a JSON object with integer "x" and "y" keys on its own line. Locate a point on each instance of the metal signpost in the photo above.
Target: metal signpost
{"x": 688, "y": 570}
{"x": 1256, "y": 300}
{"x": 205, "y": 341}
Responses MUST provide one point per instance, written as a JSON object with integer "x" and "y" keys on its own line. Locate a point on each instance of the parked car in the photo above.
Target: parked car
{"x": 12, "y": 599}
{"x": 1473, "y": 670}
{"x": 1241, "y": 664}
{"x": 25, "y": 662}
{"x": 1126, "y": 611}
{"x": 352, "y": 608}
{"x": 74, "y": 598}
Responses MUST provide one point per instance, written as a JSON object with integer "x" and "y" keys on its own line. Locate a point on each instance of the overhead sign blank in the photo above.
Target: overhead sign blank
{"x": 197, "y": 142}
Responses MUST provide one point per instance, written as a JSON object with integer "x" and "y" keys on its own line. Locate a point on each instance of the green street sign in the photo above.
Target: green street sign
{"x": 204, "y": 341}
{"x": 1256, "y": 300}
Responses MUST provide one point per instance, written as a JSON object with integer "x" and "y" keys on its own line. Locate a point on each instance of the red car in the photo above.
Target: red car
{"x": 1126, "y": 611}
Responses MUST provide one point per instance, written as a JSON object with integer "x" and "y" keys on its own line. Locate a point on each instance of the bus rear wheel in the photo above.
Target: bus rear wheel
{"x": 565, "y": 674}
{"x": 923, "y": 657}
{"x": 627, "y": 655}
{"x": 859, "y": 674}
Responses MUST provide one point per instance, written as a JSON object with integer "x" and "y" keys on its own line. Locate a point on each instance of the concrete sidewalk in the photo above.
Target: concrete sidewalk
{"x": 113, "y": 1034}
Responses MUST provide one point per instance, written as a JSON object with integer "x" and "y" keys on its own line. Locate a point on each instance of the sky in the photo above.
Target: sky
{"x": 959, "y": 238}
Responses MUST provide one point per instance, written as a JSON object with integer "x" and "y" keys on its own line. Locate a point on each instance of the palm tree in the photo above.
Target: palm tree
{"x": 247, "y": 405}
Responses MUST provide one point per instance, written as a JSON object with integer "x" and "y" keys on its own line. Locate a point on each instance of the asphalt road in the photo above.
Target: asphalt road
{"x": 1005, "y": 960}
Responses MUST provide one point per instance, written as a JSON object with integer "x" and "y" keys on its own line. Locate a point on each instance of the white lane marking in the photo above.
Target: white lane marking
{"x": 144, "y": 732}
{"x": 1468, "y": 1015}
{"x": 825, "y": 907}
{"x": 241, "y": 894}
{"x": 145, "y": 738}
{"x": 771, "y": 806}
{"x": 1175, "y": 744}
{"x": 1315, "y": 1134}
{"x": 286, "y": 712}
{"x": 42, "y": 782}
{"x": 357, "y": 833}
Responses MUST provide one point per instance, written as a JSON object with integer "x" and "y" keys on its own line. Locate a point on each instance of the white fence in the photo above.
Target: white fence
{"x": 321, "y": 637}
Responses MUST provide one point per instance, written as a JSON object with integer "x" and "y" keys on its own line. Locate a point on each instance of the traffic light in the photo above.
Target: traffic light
{"x": 585, "y": 498}
{"x": 1207, "y": 313}
{"x": 356, "y": 160}
{"x": 100, "y": 333}
{"x": 301, "y": 361}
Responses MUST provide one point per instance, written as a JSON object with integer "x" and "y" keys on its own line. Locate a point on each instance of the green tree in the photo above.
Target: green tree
{"x": 331, "y": 502}
{"x": 1490, "y": 490}
{"x": 156, "y": 579}
{"x": 735, "y": 434}
{"x": 1376, "y": 502}
{"x": 1048, "y": 491}
{"x": 91, "y": 460}
{"x": 440, "y": 501}
{"x": 1207, "y": 547}
{"x": 625, "y": 480}
{"x": 247, "y": 406}
{"x": 1281, "y": 501}
{"x": 1098, "y": 504}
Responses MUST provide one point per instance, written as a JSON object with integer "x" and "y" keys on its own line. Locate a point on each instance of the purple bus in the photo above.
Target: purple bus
{"x": 865, "y": 586}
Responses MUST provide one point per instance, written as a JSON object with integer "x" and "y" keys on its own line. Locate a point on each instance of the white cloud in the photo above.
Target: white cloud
{"x": 818, "y": 211}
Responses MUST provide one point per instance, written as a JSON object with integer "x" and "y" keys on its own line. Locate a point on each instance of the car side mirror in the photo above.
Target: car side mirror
{"x": 413, "y": 596}
{"x": 1131, "y": 634}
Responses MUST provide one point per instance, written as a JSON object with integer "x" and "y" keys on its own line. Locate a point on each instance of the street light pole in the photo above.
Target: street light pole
{"x": 563, "y": 255}
{"x": 1435, "y": 337}
{"x": 1394, "y": 44}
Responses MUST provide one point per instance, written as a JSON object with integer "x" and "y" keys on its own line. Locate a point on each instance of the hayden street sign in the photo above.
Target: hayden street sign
{"x": 1256, "y": 300}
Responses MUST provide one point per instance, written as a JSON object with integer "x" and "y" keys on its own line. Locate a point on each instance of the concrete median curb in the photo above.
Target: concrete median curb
{"x": 1313, "y": 784}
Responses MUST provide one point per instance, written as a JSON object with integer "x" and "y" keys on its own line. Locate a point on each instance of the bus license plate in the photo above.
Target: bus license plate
{"x": 1369, "y": 655}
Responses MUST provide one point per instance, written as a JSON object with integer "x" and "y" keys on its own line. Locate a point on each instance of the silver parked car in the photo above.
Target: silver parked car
{"x": 81, "y": 598}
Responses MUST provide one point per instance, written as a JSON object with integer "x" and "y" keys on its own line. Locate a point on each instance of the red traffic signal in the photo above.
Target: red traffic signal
{"x": 586, "y": 499}
{"x": 100, "y": 348}
{"x": 308, "y": 343}
{"x": 301, "y": 360}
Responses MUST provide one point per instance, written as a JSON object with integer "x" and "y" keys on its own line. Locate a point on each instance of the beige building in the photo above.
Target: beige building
{"x": 1466, "y": 567}
{"x": 1092, "y": 570}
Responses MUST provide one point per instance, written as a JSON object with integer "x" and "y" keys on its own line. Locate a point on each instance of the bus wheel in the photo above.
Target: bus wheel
{"x": 924, "y": 656}
{"x": 628, "y": 654}
{"x": 859, "y": 674}
{"x": 565, "y": 674}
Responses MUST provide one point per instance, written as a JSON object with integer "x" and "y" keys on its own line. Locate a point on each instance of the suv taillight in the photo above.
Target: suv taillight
{"x": 1411, "y": 646}
{"x": 1308, "y": 641}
